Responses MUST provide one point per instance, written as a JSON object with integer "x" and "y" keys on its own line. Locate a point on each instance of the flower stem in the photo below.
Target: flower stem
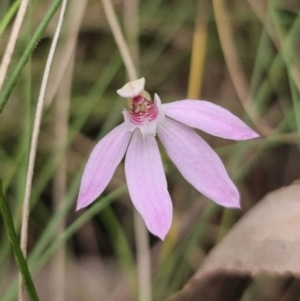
{"x": 131, "y": 27}
{"x": 143, "y": 258}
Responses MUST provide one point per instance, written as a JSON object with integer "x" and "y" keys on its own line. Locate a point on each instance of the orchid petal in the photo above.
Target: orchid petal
{"x": 198, "y": 163}
{"x": 132, "y": 88}
{"x": 102, "y": 164}
{"x": 209, "y": 118}
{"x": 147, "y": 183}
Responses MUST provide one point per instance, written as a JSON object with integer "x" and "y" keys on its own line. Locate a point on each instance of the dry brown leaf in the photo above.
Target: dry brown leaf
{"x": 266, "y": 239}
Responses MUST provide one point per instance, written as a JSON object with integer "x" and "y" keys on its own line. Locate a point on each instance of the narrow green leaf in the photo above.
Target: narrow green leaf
{"x": 42, "y": 253}
{"x": 97, "y": 207}
{"x": 12, "y": 235}
{"x": 8, "y": 88}
{"x": 5, "y": 21}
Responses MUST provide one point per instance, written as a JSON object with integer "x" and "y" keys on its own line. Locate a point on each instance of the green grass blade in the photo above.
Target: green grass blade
{"x": 43, "y": 253}
{"x": 8, "y": 88}
{"x": 11, "y": 233}
{"x": 89, "y": 213}
{"x": 8, "y": 16}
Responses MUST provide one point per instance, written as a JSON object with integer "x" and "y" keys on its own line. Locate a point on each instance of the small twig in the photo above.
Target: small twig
{"x": 12, "y": 41}
{"x": 33, "y": 146}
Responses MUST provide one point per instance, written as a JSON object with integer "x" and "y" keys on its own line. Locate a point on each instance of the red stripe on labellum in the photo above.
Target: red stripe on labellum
{"x": 148, "y": 111}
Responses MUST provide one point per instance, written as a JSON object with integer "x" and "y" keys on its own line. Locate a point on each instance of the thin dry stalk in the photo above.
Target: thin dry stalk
{"x": 237, "y": 75}
{"x": 282, "y": 42}
{"x": 119, "y": 38}
{"x": 61, "y": 84}
{"x": 12, "y": 41}
{"x": 60, "y": 177}
{"x": 198, "y": 52}
{"x": 33, "y": 145}
{"x": 143, "y": 258}
{"x": 227, "y": 42}
{"x": 141, "y": 233}
{"x": 131, "y": 25}
{"x": 76, "y": 13}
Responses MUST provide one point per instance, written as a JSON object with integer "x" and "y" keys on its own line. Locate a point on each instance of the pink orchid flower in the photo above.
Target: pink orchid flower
{"x": 145, "y": 176}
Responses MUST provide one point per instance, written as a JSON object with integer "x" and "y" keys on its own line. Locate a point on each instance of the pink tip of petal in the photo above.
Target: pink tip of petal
{"x": 147, "y": 184}
{"x": 231, "y": 198}
{"x": 102, "y": 164}
{"x": 198, "y": 163}
{"x": 79, "y": 206}
{"x": 209, "y": 118}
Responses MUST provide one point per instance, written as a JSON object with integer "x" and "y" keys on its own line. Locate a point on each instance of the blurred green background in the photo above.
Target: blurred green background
{"x": 246, "y": 57}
